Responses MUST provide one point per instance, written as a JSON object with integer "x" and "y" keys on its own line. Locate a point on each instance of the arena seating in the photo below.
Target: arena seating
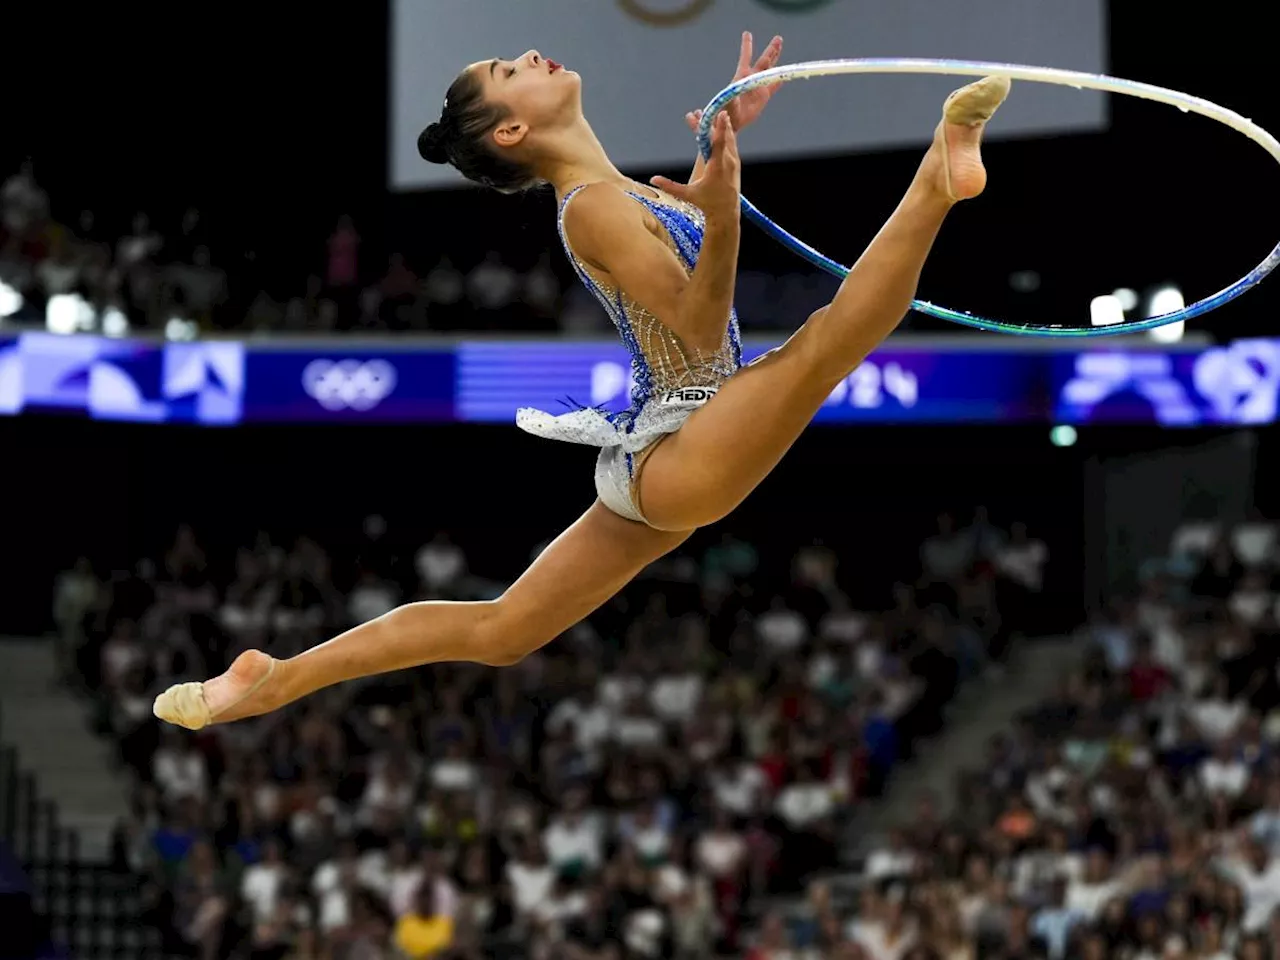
{"x": 638, "y": 788}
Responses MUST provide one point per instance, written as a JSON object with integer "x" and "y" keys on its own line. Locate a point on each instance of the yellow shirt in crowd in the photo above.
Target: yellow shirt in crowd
{"x": 421, "y": 937}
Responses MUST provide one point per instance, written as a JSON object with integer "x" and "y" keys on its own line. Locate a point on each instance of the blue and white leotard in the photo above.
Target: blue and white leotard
{"x": 670, "y": 381}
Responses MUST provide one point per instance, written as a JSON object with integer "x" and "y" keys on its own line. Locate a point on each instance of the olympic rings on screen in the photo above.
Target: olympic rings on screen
{"x": 349, "y": 384}
{"x": 1081, "y": 81}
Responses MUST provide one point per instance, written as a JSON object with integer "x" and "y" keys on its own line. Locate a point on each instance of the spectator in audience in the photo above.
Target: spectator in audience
{"x": 441, "y": 566}
{"x": 492, "y": 288}
{"x": 343, "y": 269}
{"x": 424, "y": 931}
{"x": 445, "y": 289}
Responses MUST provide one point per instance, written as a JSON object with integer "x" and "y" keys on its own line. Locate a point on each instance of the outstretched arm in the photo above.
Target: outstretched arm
{"x": 746, "y": 109}
{"x": 610, "y": 231}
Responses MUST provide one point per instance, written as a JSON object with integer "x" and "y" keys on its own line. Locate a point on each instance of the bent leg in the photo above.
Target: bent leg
{"x": 700, "y": 473}
{"x": 582, "y": 568}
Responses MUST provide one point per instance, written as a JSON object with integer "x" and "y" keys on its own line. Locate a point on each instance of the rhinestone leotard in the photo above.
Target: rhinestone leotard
{"x": 669, "y": 379}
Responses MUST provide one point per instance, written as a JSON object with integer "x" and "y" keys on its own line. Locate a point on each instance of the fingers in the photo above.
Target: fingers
{"x": 744, "y": 56}
{"x": 770, "y": 56}
{"x": 677, "y": 190}
{"x": 718, "y": 127}
{"x": 692, "y": 119}
{"x": 729, "y": 138}
{"x": 724, "y": 141}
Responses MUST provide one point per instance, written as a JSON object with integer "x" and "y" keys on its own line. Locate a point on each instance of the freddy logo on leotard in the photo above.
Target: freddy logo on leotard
{"x": 690, "y": 395}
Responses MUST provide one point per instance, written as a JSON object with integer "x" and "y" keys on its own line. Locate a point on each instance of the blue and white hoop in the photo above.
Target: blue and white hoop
{"x": 1070, "y": 78}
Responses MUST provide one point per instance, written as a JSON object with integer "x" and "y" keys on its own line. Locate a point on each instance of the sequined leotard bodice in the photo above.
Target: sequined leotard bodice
{"x": 669, "y": 379}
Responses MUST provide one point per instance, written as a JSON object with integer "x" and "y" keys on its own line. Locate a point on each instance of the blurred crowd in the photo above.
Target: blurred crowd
{"x": 171, "y": 277}
{"x": 633, "y": 790}
{"x": 1134, "y": 815}
{"x": 176, "y": 278}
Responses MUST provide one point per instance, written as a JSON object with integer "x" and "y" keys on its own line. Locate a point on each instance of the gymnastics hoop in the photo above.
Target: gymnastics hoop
{"x": 1070, "y": 78}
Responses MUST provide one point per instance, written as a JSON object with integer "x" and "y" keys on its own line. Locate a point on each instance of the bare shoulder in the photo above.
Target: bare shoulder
{"x": 599, "y": 217}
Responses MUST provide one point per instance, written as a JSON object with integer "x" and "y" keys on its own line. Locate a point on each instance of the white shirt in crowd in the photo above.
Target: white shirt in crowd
{"x": 334, "y": 906}
{"x": 382, "y": 794}
{"x": 558, "y": 909}
{"x": 1229, "y": 777}
{"x": 1037, "y": 870}
{"x": 651, "y": 842}
{"x": 1264, "y": 827}
{"x": 868, "y": 659}
{"x": 568, "y": 843}
{"x": 1023, "y": 563}
{"x": 1088, "y": 899}
{"x": 402, "y": 888}
{"x": 531, "y": 884}
{"x": 740, "y": 792}
{"x": 1251, "y": 605}
{"x": 1261, "y": 889}
{"x": 260, "y": 887}
{"x": 804, "y": 804}
{"x": 822, "y": 667}
{"x": 454, "y": 774}
{"x": 720, "y": 852}
{"x": 1169, "y": 648}
{"x": 373, "y": 871}
{"x": 369, "y": 601}
{"x": 119, "y": 656}
{"x": 179, "y": 772}
{"x": 638, "y": 731}
{"x": 874, "y": 938}
{"x": 591, "y": 722}
{"x": 492, "y": 284}
{"x": 846, "y": 626}
{"x": 440, "y": 564}
{"x": 1254, "y": 542}
{"x": 886, "y": 864}
{"x": 781, "y": 629}
{"x": 1217, "y": 719}
{"x": 619, "y": 689}
{"x": 675, "y": 697}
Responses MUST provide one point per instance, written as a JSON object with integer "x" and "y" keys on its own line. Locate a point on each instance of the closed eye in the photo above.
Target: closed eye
{"x": 511, "y": 72}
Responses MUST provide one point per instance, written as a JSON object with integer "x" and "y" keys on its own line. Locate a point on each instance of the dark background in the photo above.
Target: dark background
{"x": 115, "y": 492}
{"x": 274, "y": 124}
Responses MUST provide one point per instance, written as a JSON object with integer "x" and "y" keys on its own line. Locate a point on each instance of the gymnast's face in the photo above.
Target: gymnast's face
{"x": 538, "y": 94}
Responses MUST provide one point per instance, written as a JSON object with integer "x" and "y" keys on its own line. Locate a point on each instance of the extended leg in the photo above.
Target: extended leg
{"x": 702, "y": 472}
{"x": 580, "y": 570}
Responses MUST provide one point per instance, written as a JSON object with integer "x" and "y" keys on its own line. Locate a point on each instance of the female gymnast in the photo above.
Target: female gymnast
{"x": 702, "y": 429}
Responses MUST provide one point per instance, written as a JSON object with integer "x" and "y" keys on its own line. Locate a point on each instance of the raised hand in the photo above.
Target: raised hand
{"x": 746, "y": 109}
{"x": 717, "y": 189}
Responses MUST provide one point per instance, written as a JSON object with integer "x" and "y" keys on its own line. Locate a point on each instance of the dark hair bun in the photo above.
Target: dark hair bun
{"x": 432, "y": 144}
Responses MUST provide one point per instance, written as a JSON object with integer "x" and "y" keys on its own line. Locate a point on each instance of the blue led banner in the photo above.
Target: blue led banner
{"x": 892, "y": 386}
{"x": 227, "y": 382}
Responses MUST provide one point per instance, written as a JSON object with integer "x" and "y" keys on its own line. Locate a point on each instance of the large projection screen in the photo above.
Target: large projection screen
{"x": 639, "y": 78}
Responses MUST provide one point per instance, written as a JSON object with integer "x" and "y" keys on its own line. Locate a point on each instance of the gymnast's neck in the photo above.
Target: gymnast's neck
{"x": 573, "y": 155}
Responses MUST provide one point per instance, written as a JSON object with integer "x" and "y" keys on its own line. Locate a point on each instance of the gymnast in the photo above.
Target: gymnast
{"x": 702, "y": 429}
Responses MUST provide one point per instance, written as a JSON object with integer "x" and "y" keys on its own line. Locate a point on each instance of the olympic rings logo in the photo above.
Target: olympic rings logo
{"x": 673, "y": 13}
{"x": 349, "y": 384}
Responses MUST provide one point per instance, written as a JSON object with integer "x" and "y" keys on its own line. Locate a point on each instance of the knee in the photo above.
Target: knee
{"x": 502, "y": 639}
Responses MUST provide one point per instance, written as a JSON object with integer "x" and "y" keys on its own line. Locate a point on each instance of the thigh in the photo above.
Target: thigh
{"x": 582, "y": 568}
{"x": 706, "y": 468}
